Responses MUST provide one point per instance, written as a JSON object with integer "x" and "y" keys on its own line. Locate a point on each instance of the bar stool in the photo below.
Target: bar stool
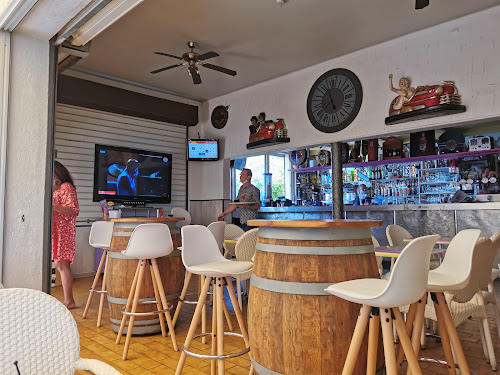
{"x": 100, "y": 237}
{"x": 201, "y": 256}
{"x": 379, "y": 298}
{"x": 147, "y": 242}
{"x": 452, "y": 275}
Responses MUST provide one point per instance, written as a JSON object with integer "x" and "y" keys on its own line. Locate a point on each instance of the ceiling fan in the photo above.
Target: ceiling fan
{"x": 193, "y": 60}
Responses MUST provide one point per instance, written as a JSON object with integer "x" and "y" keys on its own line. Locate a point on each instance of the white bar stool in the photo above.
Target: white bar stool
{"x": 382, "y": 297}
{"x": 100, "y": 237}
{"x": 147, "y": 242}
{"x": 201, "y": 256}
{"x": 453, "y": 274}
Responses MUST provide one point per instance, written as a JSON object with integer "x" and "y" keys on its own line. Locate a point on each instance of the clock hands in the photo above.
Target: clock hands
{"x": 331, "y": 101}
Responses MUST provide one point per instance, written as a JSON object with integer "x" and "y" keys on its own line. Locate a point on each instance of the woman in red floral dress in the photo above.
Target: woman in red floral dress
{"x": 64, "y": 212}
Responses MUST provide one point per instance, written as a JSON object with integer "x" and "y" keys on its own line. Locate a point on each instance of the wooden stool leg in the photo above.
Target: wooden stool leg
{"x": 213, "y": 362}
{"x": 129, "y": 302}
{"x": 182, "y": 297}
{"x": 158, "y": 300}
{"x": 374, "y": 327}
{"x": 410, "y": 318}
{"x": 419, "y": 326}
{"x": 163, "y": 298}
{"x": 445, "y": 341}
{"x": 220, "y": 324}
{"x": 357, "y": 339}
{"x": 194, "y": 324}
{"x": 94, "y": 285}
{"x": 237, "y": 311}
{"x": 452, "y": 331}
{"x": 134, "y": 308}
{"x": 388, "y": 338}
{"x": 203, "y": 313}
{"x": 251, "y": 370}
{"x": 101, "y": 301}
{"x": 405, "y": 342}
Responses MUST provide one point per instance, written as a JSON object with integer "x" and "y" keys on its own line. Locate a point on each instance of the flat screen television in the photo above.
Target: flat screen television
{"x": 203, "y": 149}
{"x": 124, "y": 174}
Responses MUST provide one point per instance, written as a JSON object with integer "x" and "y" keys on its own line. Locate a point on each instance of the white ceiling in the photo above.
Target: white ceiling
{"x": 259, "y": 39}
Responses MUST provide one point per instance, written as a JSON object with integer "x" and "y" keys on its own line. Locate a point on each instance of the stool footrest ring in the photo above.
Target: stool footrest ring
{"x": 208, "y": 301}
{"x": 170, "y": 307}
{"x": 441, "y": 362}
{"x": 225, "y": 356}
{"x": 97, "y": 291}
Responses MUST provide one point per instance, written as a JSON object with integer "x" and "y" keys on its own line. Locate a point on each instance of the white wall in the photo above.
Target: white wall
{"x": 466, "y": 51}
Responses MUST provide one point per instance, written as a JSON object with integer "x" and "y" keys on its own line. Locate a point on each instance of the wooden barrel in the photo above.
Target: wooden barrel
{"x": 296, "y": 327}
{"x": 121, "y": 274}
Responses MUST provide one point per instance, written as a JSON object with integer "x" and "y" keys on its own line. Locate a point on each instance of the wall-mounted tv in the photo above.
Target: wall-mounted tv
{"x": 203, "y": 149}
{"x": 129, "y": 175}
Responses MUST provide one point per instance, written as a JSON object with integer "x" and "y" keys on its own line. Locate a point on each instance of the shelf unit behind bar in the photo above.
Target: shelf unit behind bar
{"x": 455, "y": 155}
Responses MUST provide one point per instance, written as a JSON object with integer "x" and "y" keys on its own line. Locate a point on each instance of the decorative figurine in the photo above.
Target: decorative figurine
{"x": 263, "y": 132}
{"x": 254, "y": 125}
{"x": 422, "y": 102}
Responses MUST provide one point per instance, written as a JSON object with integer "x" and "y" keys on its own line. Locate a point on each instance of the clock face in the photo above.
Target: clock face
{"x": 219, "y": 117}
{"x": 334, "y": 100}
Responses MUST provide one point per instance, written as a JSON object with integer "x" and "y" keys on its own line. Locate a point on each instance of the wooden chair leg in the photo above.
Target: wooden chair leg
{"x": 182, "y": 297}
{"x": 238, "y": 293}
{"x": 128, "y": 304}
{"x": 445, "y": 342}
{"x": 373, "y": 330}
{"x": 164, "y": 302}
{"x": 135, "y": 303}
{"x": 220, "y": 324}
{"x": 158, "y": 300}
{"x": 452, "y": 331}
{"x": 405, "y": 342}
{"x": 410, "y": 319}
{"x": 419, "y": 326}
{"x": 103, "y": 289}
{"x": 194, "y": 324}
{"x": 94, "y": 285}
{"x": 213, "y": 362}
{"x": 357, "y": 339}
{"x": 388, "y": 339}
{"x": 203, "y": 313}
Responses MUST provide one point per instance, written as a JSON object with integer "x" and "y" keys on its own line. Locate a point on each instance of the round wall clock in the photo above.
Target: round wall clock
{"x": 219, "y": 116}
{"x": 297, "y": 157}
{"x": 334, "y": 100}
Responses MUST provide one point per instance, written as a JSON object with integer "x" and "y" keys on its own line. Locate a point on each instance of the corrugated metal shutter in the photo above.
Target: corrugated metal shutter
{"x": 79, "y": 129}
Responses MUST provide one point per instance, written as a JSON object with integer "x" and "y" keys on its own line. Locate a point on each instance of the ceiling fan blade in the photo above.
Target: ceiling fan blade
{"x": 219, "y": 69}
{"x": 194, "y": 74}
{"x": 208, "y": 55}
{"x": 166, "y": 68}
{"x": 169, "y": 55}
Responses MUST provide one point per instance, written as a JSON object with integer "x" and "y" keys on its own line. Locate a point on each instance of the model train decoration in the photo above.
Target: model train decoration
{"x": 422, "y": 102}
{"x": 263, "y": 133}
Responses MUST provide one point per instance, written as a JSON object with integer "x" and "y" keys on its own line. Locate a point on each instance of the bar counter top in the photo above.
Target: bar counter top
{"x": 328, "y": 223}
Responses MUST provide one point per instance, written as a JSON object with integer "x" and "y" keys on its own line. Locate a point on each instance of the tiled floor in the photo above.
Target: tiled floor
{"x": 155, "y": 355}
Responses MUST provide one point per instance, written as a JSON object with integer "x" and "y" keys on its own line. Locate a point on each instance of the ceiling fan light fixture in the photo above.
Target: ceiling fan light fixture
{"x": 420, "y": 4}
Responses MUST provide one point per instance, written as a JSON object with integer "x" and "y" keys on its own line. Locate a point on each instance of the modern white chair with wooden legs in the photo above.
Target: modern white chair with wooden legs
{"x": 201, "y": 256}
{"x": 147, "y": 243}
{"x": 181, "y": 212}
{"x": 100, "y": 237}
{"x": 380, "y": 298}
{"x": 452, "y": 275}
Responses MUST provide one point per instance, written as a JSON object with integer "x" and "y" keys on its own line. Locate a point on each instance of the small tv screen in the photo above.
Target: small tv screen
{"x": 203, "y": 149}
{"x": 126, "y": 174}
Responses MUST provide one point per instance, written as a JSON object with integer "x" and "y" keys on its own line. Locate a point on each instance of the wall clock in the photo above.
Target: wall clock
{"x": 297, "y": 157}
{"x": 219, "y": 116}
{"x": 334, "y": 100}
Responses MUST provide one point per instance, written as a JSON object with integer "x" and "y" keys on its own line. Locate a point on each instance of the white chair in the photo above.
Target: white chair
{"x": 218, "y": 229}
{"x": 40, "y": 336}
{"x": 406, "y": 285}
{"x": 101, "y": 233}
{"x": 231, "y": 231}
{"x": 181, "y": 212}
{"x": 452, "y": 275}
{"x": 201, "y": 256}
{"x": 244, "y": 251}
{"x": 147, "y": 242}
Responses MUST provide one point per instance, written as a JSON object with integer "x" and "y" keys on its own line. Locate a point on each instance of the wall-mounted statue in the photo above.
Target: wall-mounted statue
{"x": 423, "y": 101}
{"x": 263, "y": 131}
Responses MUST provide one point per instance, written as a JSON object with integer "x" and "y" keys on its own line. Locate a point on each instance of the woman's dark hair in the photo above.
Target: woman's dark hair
{"x": 62, "y": 173}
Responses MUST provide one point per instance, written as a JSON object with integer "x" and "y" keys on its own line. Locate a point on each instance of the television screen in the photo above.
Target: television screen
{"x": 125, "y": 174}
{"x": 203, "y": 149}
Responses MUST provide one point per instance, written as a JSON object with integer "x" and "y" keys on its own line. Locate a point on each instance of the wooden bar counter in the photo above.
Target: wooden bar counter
{"x": 296, "y": 327}
{"x": 121, "y": 274}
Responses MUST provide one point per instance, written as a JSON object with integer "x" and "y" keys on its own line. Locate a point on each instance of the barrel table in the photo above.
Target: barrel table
{"x": 121, "y": 274}
{"x": 295, "y": 327}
